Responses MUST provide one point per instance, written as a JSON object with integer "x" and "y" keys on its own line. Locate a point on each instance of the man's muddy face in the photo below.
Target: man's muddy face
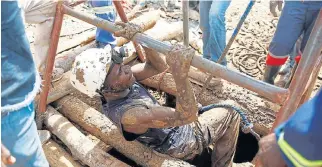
{"x": 120, "y": 77}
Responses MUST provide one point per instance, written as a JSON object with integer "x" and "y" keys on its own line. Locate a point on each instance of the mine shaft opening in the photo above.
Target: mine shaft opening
{"x": 246, "y": 149}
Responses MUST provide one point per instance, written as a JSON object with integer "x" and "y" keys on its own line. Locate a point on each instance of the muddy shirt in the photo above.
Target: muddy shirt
{"x": 179, "y": 142}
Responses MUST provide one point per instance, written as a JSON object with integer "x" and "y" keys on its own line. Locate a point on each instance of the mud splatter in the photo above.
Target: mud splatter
{"x": 80, "y": 75}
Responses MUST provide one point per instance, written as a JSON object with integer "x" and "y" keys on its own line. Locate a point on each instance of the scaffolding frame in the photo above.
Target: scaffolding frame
{"x": 299, "y": 91}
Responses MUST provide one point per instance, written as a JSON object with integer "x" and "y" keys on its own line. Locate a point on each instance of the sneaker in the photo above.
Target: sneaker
{"x": 44, "y": 136}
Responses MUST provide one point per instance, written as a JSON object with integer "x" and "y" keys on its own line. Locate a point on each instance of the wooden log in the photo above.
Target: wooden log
{"x": 80, "y": 146}
{"x": 58, "y": 89}
{"x": 146, "y": 21}
{"x": 58, "y": 156}
{"x": 66, "y": 60}
{"x": 75, "y": 41}
{"x": 164, "y": 31}
{"x": 100, "y": 126}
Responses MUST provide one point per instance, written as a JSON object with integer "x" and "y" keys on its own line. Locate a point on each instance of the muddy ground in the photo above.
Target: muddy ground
{"x": 253, "y": 38}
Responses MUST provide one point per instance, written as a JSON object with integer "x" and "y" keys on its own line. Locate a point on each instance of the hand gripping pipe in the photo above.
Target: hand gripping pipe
{"x": 269, "y": 91}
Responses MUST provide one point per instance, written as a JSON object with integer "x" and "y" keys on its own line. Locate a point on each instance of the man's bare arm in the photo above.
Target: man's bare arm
{"x": 186, "y": 108}
{"x": 154, "y": 65}
{"x": 155, "y": 117}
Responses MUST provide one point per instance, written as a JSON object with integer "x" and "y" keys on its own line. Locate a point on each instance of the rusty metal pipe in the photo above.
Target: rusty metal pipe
{"x": 311, "y": 55}
{"x": 306, "y": 96}
{"x": 269, "y": 91}
{"x": 185, "y": 12}
{"x": 55, "y": 33}
{"x": 123, "y": 17}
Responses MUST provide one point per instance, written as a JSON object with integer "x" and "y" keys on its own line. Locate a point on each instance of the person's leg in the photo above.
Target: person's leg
{"x": 217, "y": 37}
{"x": 19, "y": 135}
{"x": 204, "y": 7}
{"x": 311, "y": 16}
{"x": 285, "y": 73}
{"x": 221, "y": 128}
{"x": 104, "y": 9}
{"x": 289, "y": 28}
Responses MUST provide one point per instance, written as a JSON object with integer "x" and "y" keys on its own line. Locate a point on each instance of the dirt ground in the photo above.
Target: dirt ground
{"x": 246, "y": 55}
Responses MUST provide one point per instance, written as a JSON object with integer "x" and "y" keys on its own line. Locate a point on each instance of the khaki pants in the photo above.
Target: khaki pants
{"x": 220, "y": 127}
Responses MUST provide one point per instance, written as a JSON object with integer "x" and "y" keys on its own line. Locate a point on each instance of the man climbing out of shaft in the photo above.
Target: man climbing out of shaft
{"x": 298, "y": 17}
{"x": 180, "y": 132}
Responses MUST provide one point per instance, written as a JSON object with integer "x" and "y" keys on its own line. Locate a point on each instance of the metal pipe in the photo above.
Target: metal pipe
{"x": 311, "y": 55}
{"x": 269, "y": 91}
{"x": 306, "y": 96}
{"x": 123, "y": 17}
{"x": 274, "y": 93}
{"x": 185, "y": 11}
{"x": 55, "y": 33}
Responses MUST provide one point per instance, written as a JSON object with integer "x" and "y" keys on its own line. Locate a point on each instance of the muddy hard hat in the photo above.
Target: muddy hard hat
{"x": 90, "y": 69}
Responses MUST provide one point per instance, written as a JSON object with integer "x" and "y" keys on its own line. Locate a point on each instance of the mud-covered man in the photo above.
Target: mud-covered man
{"x": 179, "y": 132}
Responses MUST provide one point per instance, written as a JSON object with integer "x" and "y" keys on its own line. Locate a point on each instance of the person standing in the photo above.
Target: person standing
{"x": 20, "y": 83}
{"x": 297, "y": 18}
{"x": 297, "y": 141}
{"x": 105, "y": 10}
{"x": 213, "y": 26}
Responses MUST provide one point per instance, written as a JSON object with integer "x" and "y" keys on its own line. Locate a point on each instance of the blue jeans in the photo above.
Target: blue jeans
{"x": 19, "y": 135}
{"x": 213, "y": 26}
{"x": 297, "y": 18}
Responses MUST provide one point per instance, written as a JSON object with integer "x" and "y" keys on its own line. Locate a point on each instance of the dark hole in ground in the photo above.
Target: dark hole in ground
{"x": 122, "y": 157}
{"x": 246, "y": 149}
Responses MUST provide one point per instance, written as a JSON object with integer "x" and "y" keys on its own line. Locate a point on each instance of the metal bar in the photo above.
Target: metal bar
{"x": 306, "y": 96}
{"x": 311, "y": 55}
{"x": 185, "y": 11}
{"x": 234, "y": 35}
{"x": 269, "y": 91}
{"x": 123, "y": 17}
{"x": 55, "y": 33}
{"x": 274, "y": 93}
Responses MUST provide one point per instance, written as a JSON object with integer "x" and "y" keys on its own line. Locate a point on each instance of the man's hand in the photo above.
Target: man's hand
{"x": 179, "y": 60}
{"x": 269, "y": 153}
{"x": 127, "y": 30}
{"x": 6, "y": 158}
{"x": 273, "y": 4}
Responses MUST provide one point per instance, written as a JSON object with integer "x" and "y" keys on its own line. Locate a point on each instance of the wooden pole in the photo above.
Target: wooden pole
{"x": 80, "y": 146}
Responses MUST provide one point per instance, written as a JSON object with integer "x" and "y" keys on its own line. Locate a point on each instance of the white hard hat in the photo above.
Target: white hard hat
{"x": 89, "y": 70}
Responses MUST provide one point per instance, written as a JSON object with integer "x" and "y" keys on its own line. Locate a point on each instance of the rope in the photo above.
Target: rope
{"x": 253, "y": 69}
{"x": 247, "y": 125}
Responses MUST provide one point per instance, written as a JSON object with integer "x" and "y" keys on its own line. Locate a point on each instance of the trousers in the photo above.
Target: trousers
{"x": 213, "y": 26}
{"x": 19, "y": 135}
